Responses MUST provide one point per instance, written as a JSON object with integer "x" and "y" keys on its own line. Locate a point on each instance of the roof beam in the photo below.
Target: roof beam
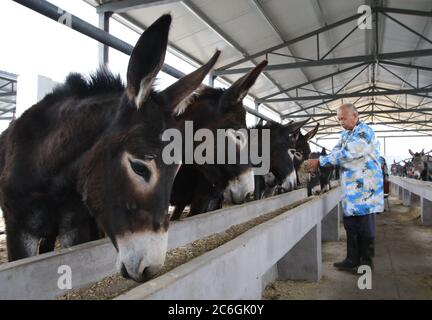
{"x": 207, "y": 21}
{"x": 373, "y": 123}
{"x": 298, "y": 86}
{"x": 8, "y": 94}
{"x": 344, "y": 60}
{"x": 287, "y": 115}
{"x": 354, "y": 95}
{"x": 292, "y": 41}
{"x": 53, "y": 12}
{"x": 331, "y": 114}
{"x": 385, "y": 131}
{"x": 406, "y": 65}
{"x": 277, "y": 32}
{"x": 405, "y": 11}
{"x": 392, "y": 136}
{"x": 127, "y": 5}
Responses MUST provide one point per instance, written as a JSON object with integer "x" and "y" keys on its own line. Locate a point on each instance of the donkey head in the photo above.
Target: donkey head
{"x": 302, "y": 144}
{"x": 123, "y": 180}
{"x": 216, "y": 109}
{"x": 418, "y": 163}
{"x": 283, "y": 155}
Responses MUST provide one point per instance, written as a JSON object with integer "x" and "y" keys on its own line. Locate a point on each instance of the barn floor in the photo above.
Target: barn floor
{"x": 403, "y": 264}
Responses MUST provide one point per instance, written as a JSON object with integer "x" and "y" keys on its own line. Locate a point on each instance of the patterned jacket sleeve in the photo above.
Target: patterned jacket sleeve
{"x": 359, "y": 145}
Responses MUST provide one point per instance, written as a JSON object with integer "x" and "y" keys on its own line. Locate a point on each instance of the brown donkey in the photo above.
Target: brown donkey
{"x": 88, "y": 156}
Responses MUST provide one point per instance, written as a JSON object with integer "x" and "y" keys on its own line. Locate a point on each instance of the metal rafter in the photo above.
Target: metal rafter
{"x": 345, "y": 60}
{"x": 127, "y": 5}
{"x": 287, "y": 115}
{"x": 207, "y": 21}
{"x": 278, "y": 33}
{"x": 298, "y": 86}
{"x": 420, "y": 40}
{"x": 292, "y": 41}
{"x": 354, "y": 95}
{"x": 381, "y": 123}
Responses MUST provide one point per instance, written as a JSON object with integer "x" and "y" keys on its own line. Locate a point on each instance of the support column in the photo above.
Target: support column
{"x": 330, "y": 225}
{"x": 103, "y": 48}
{"x": 211, "y": 79}
{"x": 400, "y": 193}
{"x": 304, "y": 260}
{"x": 426, "y": 211}
{"x": 393, "y": 189}
{"x": 414, "y": 200}
{"x": 406, "y": 197}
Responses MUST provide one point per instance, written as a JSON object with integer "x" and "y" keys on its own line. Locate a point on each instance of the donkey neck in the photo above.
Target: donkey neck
{"x": 72, "y": 129}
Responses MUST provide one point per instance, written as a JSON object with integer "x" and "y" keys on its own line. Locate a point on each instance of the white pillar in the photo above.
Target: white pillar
{"x": 31, "y": 88}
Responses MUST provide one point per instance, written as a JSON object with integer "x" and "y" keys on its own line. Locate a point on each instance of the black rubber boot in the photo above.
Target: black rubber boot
{"x": 352, "y": 259}
{"x": 367, "y": 248}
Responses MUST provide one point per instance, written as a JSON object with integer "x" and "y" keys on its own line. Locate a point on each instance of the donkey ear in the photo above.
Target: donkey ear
{"x": 178, "y": 94}
{"x": 293, "y": 127}
{"x": 411, "y": 153}
{"x": 240, "y": 88}
{"x": 147, "y": 59}
{"x": 312, "y": 133}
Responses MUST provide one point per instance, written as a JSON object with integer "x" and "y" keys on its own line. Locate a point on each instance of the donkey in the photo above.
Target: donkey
{"x": 282, "y": 176}
{"x": 205, "y": 186}
{"x": 88, "y": 157}
{"x": 421, "y": 164}
{"x": 418, "y": 164}
{"x": 320, "y": 180}
{"x": 302, "y": 146}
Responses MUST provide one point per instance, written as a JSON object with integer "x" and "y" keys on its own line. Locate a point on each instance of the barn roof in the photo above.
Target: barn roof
{"x": 318, "y": 56}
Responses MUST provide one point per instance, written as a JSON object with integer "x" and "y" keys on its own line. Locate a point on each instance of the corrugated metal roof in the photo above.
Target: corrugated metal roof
{"x": 240, "y": 28}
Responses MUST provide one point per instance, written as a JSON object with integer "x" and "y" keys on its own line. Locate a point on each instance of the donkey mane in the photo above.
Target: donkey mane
{"x": 100, "y": 82}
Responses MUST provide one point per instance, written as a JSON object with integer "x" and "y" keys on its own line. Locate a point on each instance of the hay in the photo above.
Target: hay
{"x": 115, "y": 285}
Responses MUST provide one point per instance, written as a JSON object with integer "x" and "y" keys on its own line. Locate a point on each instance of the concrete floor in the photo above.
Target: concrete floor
{"x": 403, "y": 264}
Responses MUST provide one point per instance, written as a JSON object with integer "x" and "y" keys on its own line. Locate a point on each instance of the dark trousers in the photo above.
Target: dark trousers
{"x": 362, "y": 227}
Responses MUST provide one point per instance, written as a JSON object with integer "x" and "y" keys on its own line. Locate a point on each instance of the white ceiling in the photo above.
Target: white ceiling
{"x": 238, "y": 27}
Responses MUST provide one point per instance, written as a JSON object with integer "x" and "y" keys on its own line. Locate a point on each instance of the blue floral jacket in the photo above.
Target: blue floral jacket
{"x": 358, "y": 155}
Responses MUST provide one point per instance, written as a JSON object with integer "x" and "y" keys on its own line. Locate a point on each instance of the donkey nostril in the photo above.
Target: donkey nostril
{"x": 249, "y": 197}
{"x": 124, "y": 272}
{"x": 147, "y": 273}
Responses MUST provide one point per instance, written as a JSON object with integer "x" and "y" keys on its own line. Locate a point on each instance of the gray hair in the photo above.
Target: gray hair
{"x": 350, "y": 107}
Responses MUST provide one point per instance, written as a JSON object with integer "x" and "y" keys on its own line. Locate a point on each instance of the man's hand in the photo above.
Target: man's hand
{"x": 312, "y": 165}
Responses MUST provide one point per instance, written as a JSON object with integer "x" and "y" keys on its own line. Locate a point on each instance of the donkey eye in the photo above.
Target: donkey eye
{"x": 140, "y": 169}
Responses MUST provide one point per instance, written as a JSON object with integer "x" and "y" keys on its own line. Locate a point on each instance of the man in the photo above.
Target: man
{"x": 357, "y": 153}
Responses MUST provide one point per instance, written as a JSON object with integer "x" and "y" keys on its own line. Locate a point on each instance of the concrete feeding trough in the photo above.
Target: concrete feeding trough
{"x": 37, "y": 277}
{"x": 285, "y": 247}
{"x": 414, "y": 193}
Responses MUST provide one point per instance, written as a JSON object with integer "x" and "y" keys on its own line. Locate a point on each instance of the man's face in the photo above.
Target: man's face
{"x": 347, "y": 119}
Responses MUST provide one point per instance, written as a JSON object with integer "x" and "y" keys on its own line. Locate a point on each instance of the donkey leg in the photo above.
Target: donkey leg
{"x": 178, "y": 210}
{"x": 77, "y": 228}
{"x": 20, "y": 244}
